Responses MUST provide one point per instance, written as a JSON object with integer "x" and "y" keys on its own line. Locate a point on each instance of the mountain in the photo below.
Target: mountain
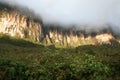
{"x": 22, "y": 23}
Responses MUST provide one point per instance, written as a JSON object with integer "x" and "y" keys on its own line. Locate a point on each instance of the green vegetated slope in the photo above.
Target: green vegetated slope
{"x": 24, "y": 60}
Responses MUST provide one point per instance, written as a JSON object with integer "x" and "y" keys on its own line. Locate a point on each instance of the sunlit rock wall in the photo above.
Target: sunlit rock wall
{"x": 15, "y": 23}
{"x": 74, "y": 38}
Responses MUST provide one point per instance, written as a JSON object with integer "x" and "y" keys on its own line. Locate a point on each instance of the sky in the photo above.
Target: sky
{"x": 77, "y": 12}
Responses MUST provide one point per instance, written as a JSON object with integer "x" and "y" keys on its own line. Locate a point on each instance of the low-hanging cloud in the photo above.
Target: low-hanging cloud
{"x": 77, "y": 12}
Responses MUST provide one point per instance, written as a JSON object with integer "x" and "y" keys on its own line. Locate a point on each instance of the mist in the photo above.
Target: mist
{"x": 95, "y": 13}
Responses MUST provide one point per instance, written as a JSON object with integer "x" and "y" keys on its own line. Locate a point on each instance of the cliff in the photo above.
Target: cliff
{"x": 18, "y": 23}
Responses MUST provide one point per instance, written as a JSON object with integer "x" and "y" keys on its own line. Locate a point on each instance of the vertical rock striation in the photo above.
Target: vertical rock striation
{"x": 15, "y": 23}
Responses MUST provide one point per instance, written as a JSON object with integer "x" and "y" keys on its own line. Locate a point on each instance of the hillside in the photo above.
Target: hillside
{"x": 32, "y": 50}
{"x": 23, "y": 60}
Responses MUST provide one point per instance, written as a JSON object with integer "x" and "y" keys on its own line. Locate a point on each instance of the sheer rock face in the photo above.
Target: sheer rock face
{"x": 15, "y": 24}
{"x": 72, "y": 38}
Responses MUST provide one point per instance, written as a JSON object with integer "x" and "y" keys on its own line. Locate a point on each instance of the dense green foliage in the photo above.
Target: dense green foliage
{"x": 24, "y": 60}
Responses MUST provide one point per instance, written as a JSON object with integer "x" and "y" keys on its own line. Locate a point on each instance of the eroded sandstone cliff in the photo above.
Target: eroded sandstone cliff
{"x": 15, "y": 23}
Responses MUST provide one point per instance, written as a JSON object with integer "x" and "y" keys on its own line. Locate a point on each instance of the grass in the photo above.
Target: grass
{"x": 24, "y": 60}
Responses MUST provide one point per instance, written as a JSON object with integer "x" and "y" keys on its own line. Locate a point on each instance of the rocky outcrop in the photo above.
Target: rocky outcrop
{"x": 76, "y": 38}
{"x": 15, "y": 23}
